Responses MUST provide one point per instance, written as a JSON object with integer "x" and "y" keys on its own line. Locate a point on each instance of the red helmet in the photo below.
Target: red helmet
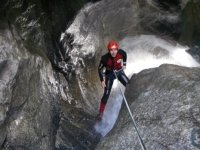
{"x": 112, "y": 45}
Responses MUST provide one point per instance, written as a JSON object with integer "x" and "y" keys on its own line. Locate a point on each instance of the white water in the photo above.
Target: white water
{"x": 143, "y": 53}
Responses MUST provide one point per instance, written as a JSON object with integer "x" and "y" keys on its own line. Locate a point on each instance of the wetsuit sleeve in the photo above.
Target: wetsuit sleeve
{"x": 101, "y": 70}
{"x": 123, "y": 53}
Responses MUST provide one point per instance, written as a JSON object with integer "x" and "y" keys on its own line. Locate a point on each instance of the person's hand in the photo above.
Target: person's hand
{"x": 103, "y": 84}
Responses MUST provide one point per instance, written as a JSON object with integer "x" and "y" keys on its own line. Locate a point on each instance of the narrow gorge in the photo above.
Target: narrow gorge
{"x": 49, "y": 85}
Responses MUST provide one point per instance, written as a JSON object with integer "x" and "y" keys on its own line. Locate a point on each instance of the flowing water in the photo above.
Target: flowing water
{"x": 144, "y": 51}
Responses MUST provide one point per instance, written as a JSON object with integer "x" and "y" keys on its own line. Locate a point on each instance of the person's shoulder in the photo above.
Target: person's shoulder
{"x": 121, "y": 51}
{"x": 105, "y": 56}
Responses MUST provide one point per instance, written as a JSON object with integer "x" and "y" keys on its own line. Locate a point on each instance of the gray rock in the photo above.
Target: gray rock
{"x": 76, "y": 126}
{"x": 7, "y": 78}
{"x": 165, "y": 104}
{"x": 28, "y": 96}
{"x": 190, "y": 27}
{"x": 30, "y": 90}
{"x": 76, "y": 130}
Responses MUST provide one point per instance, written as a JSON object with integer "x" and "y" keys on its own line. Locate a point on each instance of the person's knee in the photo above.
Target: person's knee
{"x": 106, "y": 96}
{"x": 128, "y": 81}
{"x": 125, "y": 79}
{"x": 104, "y": 100}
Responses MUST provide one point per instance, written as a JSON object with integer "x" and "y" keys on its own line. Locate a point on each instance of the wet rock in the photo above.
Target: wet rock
{"x": 30, "y": 99}
{"x": 76, "y": 130}
{"x": 159, "y": 52}
{"x": 40, "y": 23}
{"x": 195, "y": 52}
{"x": 30, "y": 90}
{"x": 190, "y": 29}
{"x": 28, "y": 96}
{"x": 165, "y": 104}
{"x": 76, "y": 125}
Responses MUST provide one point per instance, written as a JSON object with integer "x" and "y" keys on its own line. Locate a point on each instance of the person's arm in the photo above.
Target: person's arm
{"x": 123, "y": 53}
{"x": 102, "y": 73}
{"x": 101, "y": 70}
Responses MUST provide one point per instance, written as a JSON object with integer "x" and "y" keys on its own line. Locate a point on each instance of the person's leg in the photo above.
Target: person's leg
{"x": 104, "y": 99}
{"x": 123, "y": 78}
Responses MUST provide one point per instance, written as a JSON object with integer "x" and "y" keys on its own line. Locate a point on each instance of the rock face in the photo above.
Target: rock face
{"x": 28, "y": 96}
{"x": 190, "y": 23}
{"x": 39, "y": 23}
{"x": 31, "y": 91}
{"x": 76, "y": 130}
{"x": 165, "y": 104}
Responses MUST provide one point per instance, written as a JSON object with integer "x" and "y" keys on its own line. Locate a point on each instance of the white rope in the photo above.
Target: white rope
{"x": 131, "y": 115}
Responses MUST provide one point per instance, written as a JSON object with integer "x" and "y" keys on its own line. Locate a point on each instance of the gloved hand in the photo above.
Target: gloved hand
{"x": 124, "y": 67}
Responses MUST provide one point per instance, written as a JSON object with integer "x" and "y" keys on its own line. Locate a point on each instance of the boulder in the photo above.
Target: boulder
{"x": 165, "y": 104}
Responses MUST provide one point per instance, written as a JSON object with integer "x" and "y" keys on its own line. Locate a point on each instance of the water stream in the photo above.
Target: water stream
{"x": 144, "y": 51}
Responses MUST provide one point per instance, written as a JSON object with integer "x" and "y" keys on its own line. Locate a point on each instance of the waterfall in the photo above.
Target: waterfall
{"x": 144, "y": 51}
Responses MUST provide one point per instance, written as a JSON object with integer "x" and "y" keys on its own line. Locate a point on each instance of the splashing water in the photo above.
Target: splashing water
{"x": 145, "y": 51}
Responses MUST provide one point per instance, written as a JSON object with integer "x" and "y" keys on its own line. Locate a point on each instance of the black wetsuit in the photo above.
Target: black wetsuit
{"x": 107, "y": 65}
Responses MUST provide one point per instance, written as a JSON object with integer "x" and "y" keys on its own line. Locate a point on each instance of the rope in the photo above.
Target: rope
{"x": 131, "y": 115}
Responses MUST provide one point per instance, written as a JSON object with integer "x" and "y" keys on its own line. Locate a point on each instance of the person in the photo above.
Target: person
{"x": 113, "y": 60}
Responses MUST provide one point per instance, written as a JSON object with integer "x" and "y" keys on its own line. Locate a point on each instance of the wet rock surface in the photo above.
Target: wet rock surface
{"x": 76, "y": 130}
{"x": 190, "y": 29}
{"x": 28, "y": 103}
{"x": 30, "y": 89}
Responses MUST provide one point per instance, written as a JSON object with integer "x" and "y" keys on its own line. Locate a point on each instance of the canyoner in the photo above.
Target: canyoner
{"x": 114, "y": 59}
{"x": 111, "y": 67}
